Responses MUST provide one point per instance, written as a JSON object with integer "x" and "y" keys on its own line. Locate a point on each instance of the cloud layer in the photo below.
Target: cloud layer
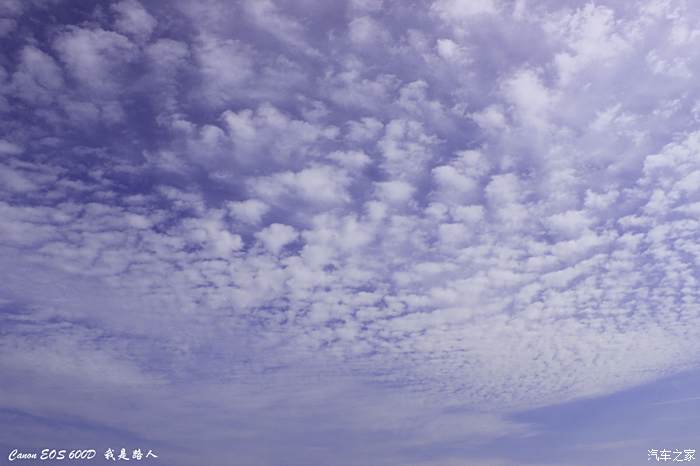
{"x": 390, "y": 221}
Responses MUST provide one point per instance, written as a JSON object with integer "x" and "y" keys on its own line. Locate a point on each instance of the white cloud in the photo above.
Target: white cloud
{"x": 355, "y": 160}
{"x": 14, "y": 180}
{"x": 95, "y": 57}
{"x": 10, "y": 148}
{"x": 319, "y": 185}
{"x": 569, "y": 224}
{"x": 211, "y": 234}
{"x": 590, "y": 35}
{"x": 458, "y": 10}
{"x": 225, "y": 65}
{"x": 277, "y": 236}
{"x": 268, "y": 136}
{"x": 364, "y": 30}
{"x": 249, "y": 211}
{"x": 406, "y": 149}
{"x": 490, "y": 118}
{"x": 133, "y": 19}
{"x": 38, "y": 78}
{"x": 531, "y": 99}
{"x": 266, "y": 15}
{"x": 366, "y": 129}
{"x": 394, "y": 192}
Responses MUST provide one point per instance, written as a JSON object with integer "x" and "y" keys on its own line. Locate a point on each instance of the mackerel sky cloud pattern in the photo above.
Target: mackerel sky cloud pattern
{"x": 373, "y": 232}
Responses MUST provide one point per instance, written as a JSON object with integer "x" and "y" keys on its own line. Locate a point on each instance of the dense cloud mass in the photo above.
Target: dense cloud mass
{"x": 397, "y": 223}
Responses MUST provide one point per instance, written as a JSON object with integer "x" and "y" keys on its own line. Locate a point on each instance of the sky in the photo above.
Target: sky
{"x": 350, "y": 233}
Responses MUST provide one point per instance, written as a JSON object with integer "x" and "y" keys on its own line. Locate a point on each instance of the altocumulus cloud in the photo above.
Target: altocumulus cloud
{"x": 364, "y": 232}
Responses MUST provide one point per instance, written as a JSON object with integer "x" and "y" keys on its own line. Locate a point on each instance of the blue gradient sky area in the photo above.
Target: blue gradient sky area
{"x": 373, "y": 232}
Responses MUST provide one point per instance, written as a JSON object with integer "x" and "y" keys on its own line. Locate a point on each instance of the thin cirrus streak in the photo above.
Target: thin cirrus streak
{"x": 364, "y": 232}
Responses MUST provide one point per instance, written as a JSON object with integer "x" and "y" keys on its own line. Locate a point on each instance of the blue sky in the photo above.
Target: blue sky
{"x": 373, "y": 232}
